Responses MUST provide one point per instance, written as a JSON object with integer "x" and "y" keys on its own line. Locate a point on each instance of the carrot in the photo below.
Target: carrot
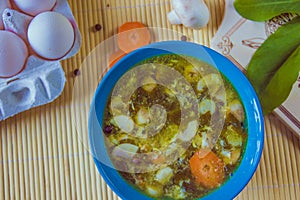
{"x": 133, "y": 35}
{"x": 207, "y": 168}
{"x": 115, "y": 57}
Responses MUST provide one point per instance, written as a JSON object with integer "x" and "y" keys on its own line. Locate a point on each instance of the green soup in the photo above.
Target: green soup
{"x": 192, "y": 148}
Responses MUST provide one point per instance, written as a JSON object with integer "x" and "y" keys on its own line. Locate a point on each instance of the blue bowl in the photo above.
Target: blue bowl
{"x": 254, "y": 117}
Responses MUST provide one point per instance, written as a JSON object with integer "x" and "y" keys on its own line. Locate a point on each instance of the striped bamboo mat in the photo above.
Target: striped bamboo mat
{"x": 42, "y": 154}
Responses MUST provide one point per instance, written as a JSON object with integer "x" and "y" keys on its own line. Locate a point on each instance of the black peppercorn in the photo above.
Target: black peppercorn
{"x": 98, "y": 27}
{"x": 183, "y": 38}
{"x": 108, "y": 129}
{"x": 76, "y": 72}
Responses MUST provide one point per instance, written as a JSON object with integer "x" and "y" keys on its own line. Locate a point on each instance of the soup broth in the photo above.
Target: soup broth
{"x": 180, "y": 161}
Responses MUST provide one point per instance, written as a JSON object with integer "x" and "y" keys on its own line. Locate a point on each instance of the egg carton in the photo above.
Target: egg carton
{"x": 41, "y": 80}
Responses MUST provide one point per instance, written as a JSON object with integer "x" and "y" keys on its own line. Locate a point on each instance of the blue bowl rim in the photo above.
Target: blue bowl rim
{"x": 254, "y": 116}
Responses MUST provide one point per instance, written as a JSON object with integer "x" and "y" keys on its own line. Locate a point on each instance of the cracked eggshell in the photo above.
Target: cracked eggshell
{"x": 34, "y": 7}
{"x": 3, "y": 4}
{"x": 13, "y": 54}
{"x": 51, "y": 35}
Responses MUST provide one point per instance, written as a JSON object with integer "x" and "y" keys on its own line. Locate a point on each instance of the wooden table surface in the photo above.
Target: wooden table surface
{"x": 43, "y": 152}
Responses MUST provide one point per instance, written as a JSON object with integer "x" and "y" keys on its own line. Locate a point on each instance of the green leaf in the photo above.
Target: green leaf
{"x": 271, "y": 55}
{"x": 281, "y": 83}
{"x": 261, "y": 10}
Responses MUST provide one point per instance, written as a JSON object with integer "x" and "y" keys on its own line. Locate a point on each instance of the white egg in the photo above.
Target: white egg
{"x": 34, "y": 7}
{"x": 51, "y": 35}
{"x": 13, "y": 54}
{"x": 3, "y": 4}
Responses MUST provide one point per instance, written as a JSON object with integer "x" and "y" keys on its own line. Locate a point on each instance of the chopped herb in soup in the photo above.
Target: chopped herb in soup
{"x": 171, "y": 160}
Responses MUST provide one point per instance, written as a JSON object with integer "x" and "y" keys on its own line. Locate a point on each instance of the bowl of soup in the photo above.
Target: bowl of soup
{"x": 176, "y": 120}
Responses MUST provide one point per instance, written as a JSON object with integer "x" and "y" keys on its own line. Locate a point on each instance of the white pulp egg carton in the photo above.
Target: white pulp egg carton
{"x": 41, "y": 80}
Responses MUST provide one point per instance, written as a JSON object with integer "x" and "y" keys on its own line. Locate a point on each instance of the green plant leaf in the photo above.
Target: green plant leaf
{"x": 271, "y": 55}
{"x": 275, "y": 65}
{"x": 281, "y": 83}
{"x": 261, "y": 10}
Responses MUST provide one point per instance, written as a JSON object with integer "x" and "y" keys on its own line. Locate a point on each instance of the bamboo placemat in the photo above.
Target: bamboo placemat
{"x": 42, "y": 157}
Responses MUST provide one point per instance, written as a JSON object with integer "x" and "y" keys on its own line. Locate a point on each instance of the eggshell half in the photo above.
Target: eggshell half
{"x": 51, "y": 35}
{"x": 34, "y": 7}
{"x": 13, "y": 54}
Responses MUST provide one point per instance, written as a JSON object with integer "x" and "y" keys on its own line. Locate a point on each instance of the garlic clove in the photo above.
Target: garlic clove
{"x": 192, "y": 14}
{"x": 164, "y": 175}
{"x": 125, "y": 150}
{"x": 237, "y": 110}
{"x": 125, "y": 123}
{"x": 173, "y": 17}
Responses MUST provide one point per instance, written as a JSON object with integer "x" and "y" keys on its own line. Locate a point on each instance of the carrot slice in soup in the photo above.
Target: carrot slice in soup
{"x": 115, "y": 57}
{"x": 207, "y": 168}
{"x": 133, "y": 35}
